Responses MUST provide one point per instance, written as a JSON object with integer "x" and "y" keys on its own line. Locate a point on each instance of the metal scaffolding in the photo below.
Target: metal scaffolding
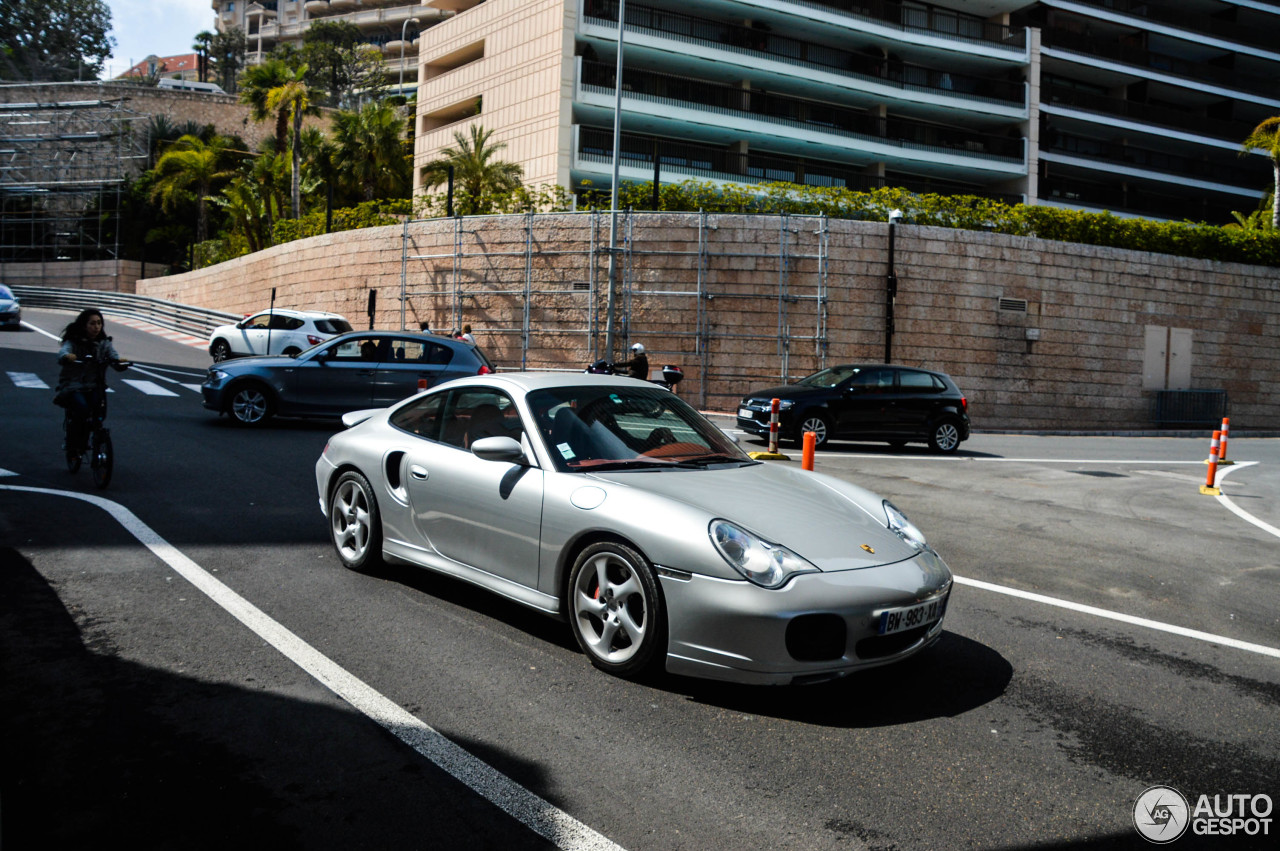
{"x": 543, "y": 292}
{"x": 63, "y": 169}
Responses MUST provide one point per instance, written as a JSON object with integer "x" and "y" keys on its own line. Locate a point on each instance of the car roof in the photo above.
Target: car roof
{"x": 301, "y": 314}
{"x": 526, "y": 382}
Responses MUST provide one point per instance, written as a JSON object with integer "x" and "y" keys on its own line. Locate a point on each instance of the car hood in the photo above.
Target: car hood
{"x": 788, "y": 391}
{"x": 831, "y": 523}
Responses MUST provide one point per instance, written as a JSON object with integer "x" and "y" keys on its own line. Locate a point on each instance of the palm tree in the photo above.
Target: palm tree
{"x": 477, "y": 175}
{"x": 256, "y": 84}
{"x": 244, "y": 203}
{"x": 294, "y": 97}
{"x": 201, "y": 45}
{"x": 188, "y": 163}
{"x": 1266, "y": 136}
{"x": 371, "y": 151}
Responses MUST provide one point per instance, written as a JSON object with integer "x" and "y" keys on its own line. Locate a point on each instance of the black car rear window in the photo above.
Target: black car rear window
{"x": 920, "y": 382}
{"x": 333, "y": 326}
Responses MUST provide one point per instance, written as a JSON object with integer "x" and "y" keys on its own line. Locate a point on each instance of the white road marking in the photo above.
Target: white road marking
{"x": 4, "y": 472}
{"x": 529, "y": 809}
{"x": 1223, "y": 472}
{"x": 195, "y": 387}
{"x": 28, "y": 379}
{"x": 148, "y": 387}
{"x": 41, "y": 331}
{"x": 1118, "y": 616}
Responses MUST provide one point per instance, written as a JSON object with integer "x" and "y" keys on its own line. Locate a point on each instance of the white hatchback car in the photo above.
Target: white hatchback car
{"x": 275, "y": 332}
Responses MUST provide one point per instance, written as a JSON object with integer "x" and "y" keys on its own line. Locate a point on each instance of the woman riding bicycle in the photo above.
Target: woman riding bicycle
{"x": 85, "y": 353}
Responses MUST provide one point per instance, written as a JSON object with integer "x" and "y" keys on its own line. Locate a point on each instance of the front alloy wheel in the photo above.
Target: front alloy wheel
{"x": 817, "y": 424}
{"x": 616, "y": 609}
{"x": 250, "y": 405}
{"x": 354, "y": 524}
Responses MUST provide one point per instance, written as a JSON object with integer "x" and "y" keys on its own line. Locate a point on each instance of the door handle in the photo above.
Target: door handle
{"x": 419, "y": 473}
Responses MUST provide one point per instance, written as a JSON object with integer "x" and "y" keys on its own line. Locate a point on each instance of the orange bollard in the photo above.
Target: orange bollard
{"x": 422, "y": 384}
{"x": 810, "y": 442}
{"x": 773, "y": 426}
{"x": 1222, "y": 450}
{"x": 1208, "y": 487}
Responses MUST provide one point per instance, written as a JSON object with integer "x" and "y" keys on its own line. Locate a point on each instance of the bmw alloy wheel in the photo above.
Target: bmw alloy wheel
{"x": 250, "y": 405}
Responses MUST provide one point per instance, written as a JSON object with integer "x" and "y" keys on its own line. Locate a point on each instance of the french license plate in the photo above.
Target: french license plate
{"x": 745, "y": 413}
{"x": 910, "y": 617}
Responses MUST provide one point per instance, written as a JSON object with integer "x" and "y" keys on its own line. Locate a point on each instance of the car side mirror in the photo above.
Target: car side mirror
{"x": 498, "y": 448}
{"x": 324, "y": 354}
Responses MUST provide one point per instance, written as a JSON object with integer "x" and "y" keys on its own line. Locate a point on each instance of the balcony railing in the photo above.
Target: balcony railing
{"x": 1138, "y": 202}
{"x": 705, "y": 161}
{"x": 761, "y": 43}
{"x": 1107, "y": 108}
{"x": 1159, "y": 162}
{"x": 930, "y": 21}
{"x": 1194, "y": 23}
{"x": 799, "y": 113}
{"x": 1138, "y": 57}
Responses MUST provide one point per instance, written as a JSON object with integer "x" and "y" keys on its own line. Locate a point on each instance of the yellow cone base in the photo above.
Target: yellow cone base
{"x": 768, "y": 456}
{"x": 1220, "y": 463}
{"x": 1208, "y": 491}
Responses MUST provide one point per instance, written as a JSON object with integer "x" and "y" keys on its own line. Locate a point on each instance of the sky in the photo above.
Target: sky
{"x": 162, "y": 27}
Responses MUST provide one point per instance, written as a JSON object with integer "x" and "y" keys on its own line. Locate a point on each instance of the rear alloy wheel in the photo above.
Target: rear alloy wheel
{"x": 354, "y": 523}
{"x": 819, "y": 425}
{"x": 945, "y": 437}
{"x": 251, "y": 405}
{"x": 220, "y": 350}
{"x": 616, "y": 610}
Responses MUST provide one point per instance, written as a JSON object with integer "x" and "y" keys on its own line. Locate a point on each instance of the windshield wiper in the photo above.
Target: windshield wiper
{"x": 621, "y": 464}
{"x": 706, "y": 460}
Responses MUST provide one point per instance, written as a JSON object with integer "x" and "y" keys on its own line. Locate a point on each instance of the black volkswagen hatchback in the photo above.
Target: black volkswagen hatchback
{"x": 869, "y": 402}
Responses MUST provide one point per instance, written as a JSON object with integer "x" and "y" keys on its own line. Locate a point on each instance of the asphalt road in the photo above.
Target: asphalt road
{"x": 138, "y": 707}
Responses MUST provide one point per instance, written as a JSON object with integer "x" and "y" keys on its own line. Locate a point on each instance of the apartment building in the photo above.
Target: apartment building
{"x": 392, "y": 26}
{"x": 1133, "y": 106}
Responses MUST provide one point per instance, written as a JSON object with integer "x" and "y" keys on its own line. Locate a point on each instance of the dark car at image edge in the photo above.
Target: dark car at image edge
{"x": 864, "y": 402}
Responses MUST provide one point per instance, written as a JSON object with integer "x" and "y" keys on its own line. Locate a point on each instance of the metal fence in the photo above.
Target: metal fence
{"x": 196, "y": 321}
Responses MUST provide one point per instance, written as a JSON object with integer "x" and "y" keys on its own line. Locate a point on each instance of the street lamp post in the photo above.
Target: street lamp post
{"x": 613, "y": 193}
{"x": 890, "y": 289}
{"x": 400, "y": 89}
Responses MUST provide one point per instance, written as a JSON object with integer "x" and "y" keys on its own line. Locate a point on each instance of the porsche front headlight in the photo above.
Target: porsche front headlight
{"x": 902, "y": 527}
{"x": 766, "y": 564}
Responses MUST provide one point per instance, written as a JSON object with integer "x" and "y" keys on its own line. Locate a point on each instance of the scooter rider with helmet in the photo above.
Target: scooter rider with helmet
{"x": 638, "y": 366}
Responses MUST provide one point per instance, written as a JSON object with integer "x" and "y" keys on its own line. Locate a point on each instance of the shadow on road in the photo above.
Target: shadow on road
{"x": 100, "y": 749}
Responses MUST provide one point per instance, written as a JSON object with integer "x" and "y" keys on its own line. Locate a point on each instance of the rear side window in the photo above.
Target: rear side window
{"x": 333, "y": 326}
{"x": 421, "y": 416}
{"x": 920, "y": 382}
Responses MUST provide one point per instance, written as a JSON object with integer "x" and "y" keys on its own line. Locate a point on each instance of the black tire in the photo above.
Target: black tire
{"x": 355, "y": 526}
{"x": 102, "y": 458}
{"x": 817, "y": 423}
{"x": 620, "y": 623}
{"x": 944, "y": 437}
{"x": 292, "y": 351}
{"x": 251, "y": 404}
{"x": 220, "y": 350}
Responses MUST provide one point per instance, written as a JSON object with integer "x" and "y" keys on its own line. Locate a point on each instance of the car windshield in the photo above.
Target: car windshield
{"x": 5, "y": 292}
{"x": 830, "y": 377}
{"x": 593, "y": 428}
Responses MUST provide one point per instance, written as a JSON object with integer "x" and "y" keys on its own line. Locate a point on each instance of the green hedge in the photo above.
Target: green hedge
{"x": 370, "y": 214}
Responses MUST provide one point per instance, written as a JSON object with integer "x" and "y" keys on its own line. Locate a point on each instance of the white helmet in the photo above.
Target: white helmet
{"x": 638, "y": 348}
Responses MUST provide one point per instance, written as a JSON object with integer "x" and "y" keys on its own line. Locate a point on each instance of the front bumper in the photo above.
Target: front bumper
{"x": 14, "y": 318}
{"x": 739, "y": 632}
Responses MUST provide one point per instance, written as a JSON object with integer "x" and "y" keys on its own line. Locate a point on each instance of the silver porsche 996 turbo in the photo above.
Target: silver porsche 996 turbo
{"x": 611, "y": 503}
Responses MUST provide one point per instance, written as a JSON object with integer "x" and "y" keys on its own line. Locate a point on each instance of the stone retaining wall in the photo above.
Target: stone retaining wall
{"x": 1071, "y": 348}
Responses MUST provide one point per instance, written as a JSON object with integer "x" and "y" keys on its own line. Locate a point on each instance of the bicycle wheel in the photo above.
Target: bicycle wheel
{"x": 73, "y": 458}
{"x": 102, "y": 460}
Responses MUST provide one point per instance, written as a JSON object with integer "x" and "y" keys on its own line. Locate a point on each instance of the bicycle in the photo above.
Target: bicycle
{"x": 98, "y": 442}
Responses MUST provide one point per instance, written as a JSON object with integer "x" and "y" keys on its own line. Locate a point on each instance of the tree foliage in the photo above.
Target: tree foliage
{"x": 1266, "y": 137}
{"x": 54, "y": 40}
{"x": 226, "y": 55}
{"x": 339, "y": 65}
{"x": 372, "y": 153}
{"x": 479, "y": 177}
